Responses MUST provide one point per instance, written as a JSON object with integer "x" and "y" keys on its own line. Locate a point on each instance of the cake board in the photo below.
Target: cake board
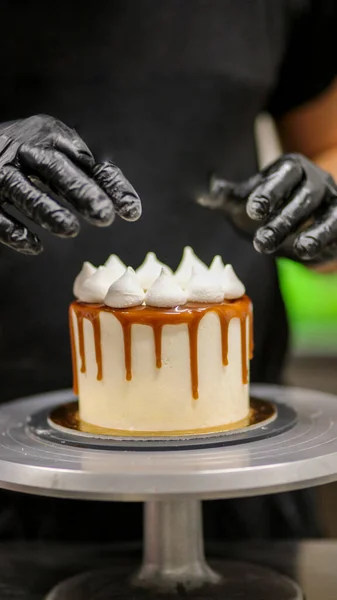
{"x": 172, "y": 484}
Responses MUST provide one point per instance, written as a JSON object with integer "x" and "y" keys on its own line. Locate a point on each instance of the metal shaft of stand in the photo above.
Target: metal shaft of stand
{"x": 174, "y": 563}
{"x": 173, "y": 546}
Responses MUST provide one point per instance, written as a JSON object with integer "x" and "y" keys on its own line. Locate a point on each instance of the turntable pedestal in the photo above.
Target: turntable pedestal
{"x": 174, "y": 547}
{"x": 174, "y": 566}
{"x": 172, "y": 482}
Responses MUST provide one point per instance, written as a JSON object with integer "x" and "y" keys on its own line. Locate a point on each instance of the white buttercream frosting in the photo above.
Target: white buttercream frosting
{"x": 87, "y": 270}
{"x": 94, "y": 289}
{"x": 205, "y": 288}
{"x": 232, "y": 286}
{"x": 165, "y": 292}
{"x": 150, "y": 270}
{"x": 125, "y": 292}
{"x": 217, "y": 266}
{"x": 116, "y": 267}
{"x": 189, "y": 262}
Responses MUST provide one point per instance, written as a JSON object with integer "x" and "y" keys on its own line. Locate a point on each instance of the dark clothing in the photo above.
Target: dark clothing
{"x": 172, "y": 90}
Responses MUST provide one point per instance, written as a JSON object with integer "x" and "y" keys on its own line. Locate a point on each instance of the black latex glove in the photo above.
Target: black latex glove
{"x": 45, "y": 166}
{"x": 288, "y": 209}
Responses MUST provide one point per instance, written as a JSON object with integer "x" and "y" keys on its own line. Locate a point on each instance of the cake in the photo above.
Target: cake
{"x": 161, "y": 353}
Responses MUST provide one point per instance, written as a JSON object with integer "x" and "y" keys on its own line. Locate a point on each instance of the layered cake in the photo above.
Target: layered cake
{"x": 161, "y": 353}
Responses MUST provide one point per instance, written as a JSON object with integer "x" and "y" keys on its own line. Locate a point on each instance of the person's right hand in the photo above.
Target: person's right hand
{"x": 289, "y": 209}
{"x": 45, "y": 166}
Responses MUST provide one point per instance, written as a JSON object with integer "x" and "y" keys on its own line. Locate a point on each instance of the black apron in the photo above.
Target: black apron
{"x": 170, "y": 90}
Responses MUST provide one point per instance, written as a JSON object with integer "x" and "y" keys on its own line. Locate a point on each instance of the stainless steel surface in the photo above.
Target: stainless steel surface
{"x": 304, "y": 456}
{"x": 266, "y": 420}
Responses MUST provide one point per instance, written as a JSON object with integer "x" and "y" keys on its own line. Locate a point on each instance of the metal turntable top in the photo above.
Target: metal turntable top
{"x": 300, "y": 457}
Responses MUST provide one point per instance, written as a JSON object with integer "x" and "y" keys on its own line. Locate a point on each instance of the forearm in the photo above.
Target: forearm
{"x": 311, "y": 130}
{"x": 327, "y": 160}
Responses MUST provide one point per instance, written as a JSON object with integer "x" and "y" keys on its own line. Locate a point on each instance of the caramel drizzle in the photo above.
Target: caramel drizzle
{"x": 251, "y": 336}
{"x": 193, "y": 327}
{"x": 224, "y": 324}
{"x": 73, "y": 352}
{"x": 157, "y": 335}
{"x": 127, "y": 350}
{"x": 98, "y": 346}
{"x": 81, "y": 341}
{"x": 243, "y": 327}
{"x": 94, "y": 318}
{"x": 190, "y": 314}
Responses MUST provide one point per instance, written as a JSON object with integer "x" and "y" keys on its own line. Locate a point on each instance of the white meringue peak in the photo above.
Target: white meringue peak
{"x": 87, "y": 270}
{"x": 94, "y": 289}
{"x": 193, "y": 281}
{"x": 150, "y": 270}
{"x": 217, "y": 266}
{"x": 232, "y": 286}
{"x": 116, "y": 267}
{"x": 188, "y": 262}
{"x": 204, "y": 288}
{"x": 165, "y": 292}
{"x": 125, "y": 292}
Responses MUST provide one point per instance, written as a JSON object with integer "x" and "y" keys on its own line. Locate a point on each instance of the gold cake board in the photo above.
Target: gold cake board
{"x": 66, "y": 417}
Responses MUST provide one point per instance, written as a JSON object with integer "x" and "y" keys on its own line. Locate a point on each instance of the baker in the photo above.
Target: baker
{"x": 168, "y": 91}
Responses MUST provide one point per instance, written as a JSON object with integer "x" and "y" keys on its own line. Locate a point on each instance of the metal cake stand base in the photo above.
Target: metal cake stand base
{"x": 174, "y": 566}
{"x": 172, "y": 483}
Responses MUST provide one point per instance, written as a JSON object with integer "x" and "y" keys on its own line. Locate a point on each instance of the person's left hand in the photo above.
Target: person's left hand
{"x": 288, "y": 209}
{"x": 48, "y": 174}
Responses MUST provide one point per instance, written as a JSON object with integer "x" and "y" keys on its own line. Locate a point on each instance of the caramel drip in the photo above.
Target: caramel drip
{"x": 244, "y": 358}
{"x": 224, "y": 324}
{"x": 127, "y": 350}
{"x": 190, "y": 315}
{"x": 193, "y": 327}
{"x": 81, "y": 342}
{"x": 157, "y": 334}
{"x": 96, "y": 324}
{"x": 73, "y": 352}
{"x": 251, "y": 336}
{"x": 92, "y": 313}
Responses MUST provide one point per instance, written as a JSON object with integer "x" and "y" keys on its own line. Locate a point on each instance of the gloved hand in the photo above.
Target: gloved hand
{"x": 43, "y": 162}
{"x": 288, "y": 209}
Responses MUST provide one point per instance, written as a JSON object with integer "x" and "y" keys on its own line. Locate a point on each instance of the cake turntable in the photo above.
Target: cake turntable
{"x": 296, "y": 449}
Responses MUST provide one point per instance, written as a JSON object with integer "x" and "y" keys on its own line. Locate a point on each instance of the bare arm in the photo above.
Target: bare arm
{"x": 289, "y": 209}
{"x": 312, "y": 130}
